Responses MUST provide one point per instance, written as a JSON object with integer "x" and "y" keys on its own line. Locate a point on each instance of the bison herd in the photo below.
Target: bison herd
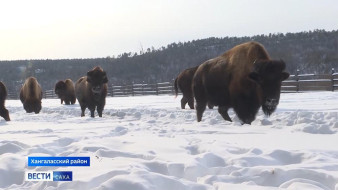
{"x": 90, "y": 91}
{"x": 244, "y": 78}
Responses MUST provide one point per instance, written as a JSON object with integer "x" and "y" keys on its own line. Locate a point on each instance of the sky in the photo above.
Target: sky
{"x": 66, "y": 29}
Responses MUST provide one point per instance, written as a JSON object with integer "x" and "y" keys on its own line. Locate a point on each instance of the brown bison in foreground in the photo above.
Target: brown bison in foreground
{"x": 65, "y": 91}
{"x": 31, "y": 95}
{"x": 184, "y": 83}
{"x": 91, "y": 91}
{"x": 3, "y": 95}
{"x": 243, "y": 78}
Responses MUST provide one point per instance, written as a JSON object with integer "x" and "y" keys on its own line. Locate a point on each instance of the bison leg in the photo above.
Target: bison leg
{"x": 100, "y": 113}
{"x": 191, "y": 102}
{"x": 200, "y": 108}
{"x": 210, "y": 105}
{"x": 99, "y": 110}
{"x": 100, "y": 107}
{"x": 61, "y": 101}
{"x": 73, "y": 100}
{"x": 200, "y": 96}
{"x": 201, "y": 100}
{"x": 83, "y": 109}
{"x": 224, "y": 113}
{"x": 184, "y": 101}
{"x": 92, "y": 110}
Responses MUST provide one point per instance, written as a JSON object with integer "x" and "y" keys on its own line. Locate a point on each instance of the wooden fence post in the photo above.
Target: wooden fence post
{"x": 297, "y": 79}
{"x": 132, "y": 89}
{"x": 332, "y": 79}
{"x": 156, "y": 86}
{"x": 142, "y": 88}
{"x": 112, "y": 90}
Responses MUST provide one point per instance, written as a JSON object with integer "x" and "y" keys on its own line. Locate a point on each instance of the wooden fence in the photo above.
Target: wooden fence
{"x": 295, "y": 83}
{"x": 311, "y": 82}
{"x": 142, "y": 89}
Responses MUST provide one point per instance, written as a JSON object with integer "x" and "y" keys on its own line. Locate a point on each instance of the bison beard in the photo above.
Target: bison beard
{"x": 243, "y": 78}
{"x": 91, "y": 91}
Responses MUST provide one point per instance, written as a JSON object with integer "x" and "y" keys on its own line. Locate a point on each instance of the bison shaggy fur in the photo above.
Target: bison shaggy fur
{"x": 243, "y": 78}
{"x": 183, "y": 82}
{"x": 3, "y": 95}
{"x": 91, "y": 91}
{"x": 66, "y": 91}
{"x": 31, "y": 95}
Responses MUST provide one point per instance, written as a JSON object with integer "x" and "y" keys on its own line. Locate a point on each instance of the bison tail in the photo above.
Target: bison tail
{"x": 176, "y": 88}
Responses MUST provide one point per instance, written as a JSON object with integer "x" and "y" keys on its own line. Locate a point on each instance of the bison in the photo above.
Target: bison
{"x": 31, "y": 95}
{"x": 3, "y": 95}
{"x": 184, "y": 83}
{"x": 243, "y": 78}
{"x": 65, "y": 91}
{"x": 91, "y": 91}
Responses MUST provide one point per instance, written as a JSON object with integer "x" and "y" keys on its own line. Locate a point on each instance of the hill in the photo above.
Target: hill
{"x": 310, "y": 52}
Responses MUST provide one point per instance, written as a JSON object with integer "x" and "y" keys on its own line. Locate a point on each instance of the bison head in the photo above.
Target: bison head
{"x": 269, "y": 75}
{"x": 4, "y": 113}
{"x": 97, "y": 78}
{"x": 60, "y": 87}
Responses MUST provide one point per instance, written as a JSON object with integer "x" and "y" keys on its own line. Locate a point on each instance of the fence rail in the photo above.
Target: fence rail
{"x": 295, "y": 83}
{"x": 142, "y": 89}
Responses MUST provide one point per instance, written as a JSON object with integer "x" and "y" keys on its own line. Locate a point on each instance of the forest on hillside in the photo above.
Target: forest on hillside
{"x": 310, "y": 52}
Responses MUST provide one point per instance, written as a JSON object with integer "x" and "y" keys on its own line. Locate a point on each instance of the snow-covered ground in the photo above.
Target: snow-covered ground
{"x": 150, "y": 143}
